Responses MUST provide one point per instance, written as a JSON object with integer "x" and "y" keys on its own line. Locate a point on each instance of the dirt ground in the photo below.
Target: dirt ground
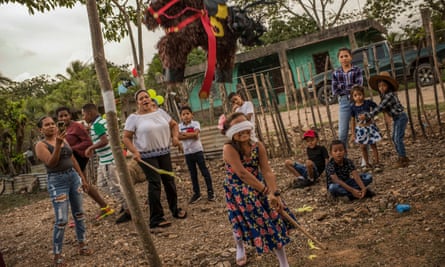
{"x": 368, "y": 232}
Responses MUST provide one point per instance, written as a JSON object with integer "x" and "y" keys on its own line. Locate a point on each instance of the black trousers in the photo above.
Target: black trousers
{"x": 81, "y": 160}
{"x": 198, "y": 159}
{"x": 154, "y": 188}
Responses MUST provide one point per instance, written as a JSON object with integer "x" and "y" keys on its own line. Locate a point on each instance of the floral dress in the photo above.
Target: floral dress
{"x": 250, "y": 214}
{"x": 366, "y": 132}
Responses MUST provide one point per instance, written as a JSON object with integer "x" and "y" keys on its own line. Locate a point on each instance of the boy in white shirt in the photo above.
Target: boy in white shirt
{"x": 194, "y": 155}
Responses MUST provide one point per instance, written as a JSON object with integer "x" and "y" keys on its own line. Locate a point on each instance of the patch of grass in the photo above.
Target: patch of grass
{"x": 11, "y": 201}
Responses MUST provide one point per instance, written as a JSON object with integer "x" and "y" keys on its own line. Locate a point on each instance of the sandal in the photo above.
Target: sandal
{"x": 84, "y": 250}
{"x": 162, "y": 224}
{"x": 59, "y": 263}
{"x": 180, "y": 214}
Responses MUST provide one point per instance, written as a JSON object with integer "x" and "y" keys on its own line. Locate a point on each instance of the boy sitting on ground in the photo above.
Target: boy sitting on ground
{"x": 307, "y": 174}
{"x": 342, "y": 178}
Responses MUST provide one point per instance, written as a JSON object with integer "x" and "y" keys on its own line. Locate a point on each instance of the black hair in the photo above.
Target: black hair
{"x": 391, "y": 87}
{"x": 138, "y": 92}
{"x": 185, "y": 108}
{"x": 59, "y": 109}
{"x": 337, "y": 142}
{"x": 232, "y": 94}
{"x": 40, "y": 121}
{"x": 90, "y": 107}
{"x": 357, "y": 88}
{"x": 344, "y": 49}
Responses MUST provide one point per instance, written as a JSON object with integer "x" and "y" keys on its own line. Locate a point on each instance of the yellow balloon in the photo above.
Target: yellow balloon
{"x": 159, "y": 99}
{"x": 151, "y": 93}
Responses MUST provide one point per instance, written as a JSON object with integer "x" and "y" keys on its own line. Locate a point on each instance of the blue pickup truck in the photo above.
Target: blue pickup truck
{"x": 423, "y": 72}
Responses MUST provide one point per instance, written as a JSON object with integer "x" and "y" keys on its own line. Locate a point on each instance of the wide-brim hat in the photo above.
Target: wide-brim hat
{"x": 383, "y": 76}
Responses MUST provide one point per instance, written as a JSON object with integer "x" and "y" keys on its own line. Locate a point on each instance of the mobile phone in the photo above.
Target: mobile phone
{"x": 61, "y": 126}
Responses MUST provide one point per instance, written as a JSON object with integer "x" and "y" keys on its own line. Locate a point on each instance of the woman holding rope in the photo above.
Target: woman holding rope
{"x": 252, "y": 198}
{"x": 147, "y": 134}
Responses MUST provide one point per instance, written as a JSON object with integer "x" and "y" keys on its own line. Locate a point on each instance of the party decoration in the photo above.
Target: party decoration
{"x": 134, "y": 71}
{"x": 209, "y": 24}
{"x": 151, "y": 93}
{"x": 122, "y": 89}
{"x": 311, "y": 244}
{"x": 304, "y": 209}
{"x": 159, "y": 99}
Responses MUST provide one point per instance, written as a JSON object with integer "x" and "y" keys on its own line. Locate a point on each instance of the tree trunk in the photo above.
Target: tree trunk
{"x": 113, "y": 131}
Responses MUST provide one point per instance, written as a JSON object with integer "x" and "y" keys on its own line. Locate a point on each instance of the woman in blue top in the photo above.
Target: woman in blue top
{"x": 64, "y": 181}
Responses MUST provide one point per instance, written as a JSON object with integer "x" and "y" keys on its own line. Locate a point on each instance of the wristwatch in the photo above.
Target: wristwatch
{"x": 277, "y": 193}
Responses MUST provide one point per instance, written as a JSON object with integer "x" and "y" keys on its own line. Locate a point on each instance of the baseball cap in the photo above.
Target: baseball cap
{"x": 310, "y": 133}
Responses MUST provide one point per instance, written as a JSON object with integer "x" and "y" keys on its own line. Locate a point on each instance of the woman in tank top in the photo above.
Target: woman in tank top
{"x": 64, "y": 181}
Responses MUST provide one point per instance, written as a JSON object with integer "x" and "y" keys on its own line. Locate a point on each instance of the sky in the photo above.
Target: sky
{"x": 46, "y": 43}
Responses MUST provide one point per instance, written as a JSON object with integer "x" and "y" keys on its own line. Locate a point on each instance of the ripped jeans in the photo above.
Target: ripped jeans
{"x": 65, "y": 189}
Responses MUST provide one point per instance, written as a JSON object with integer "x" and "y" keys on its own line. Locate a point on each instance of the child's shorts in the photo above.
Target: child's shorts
{"x": 301, "y": 169}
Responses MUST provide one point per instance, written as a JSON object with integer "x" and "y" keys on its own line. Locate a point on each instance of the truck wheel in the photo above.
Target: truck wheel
{"x": 424, "y": 74}
{"x": 329, "y": 97}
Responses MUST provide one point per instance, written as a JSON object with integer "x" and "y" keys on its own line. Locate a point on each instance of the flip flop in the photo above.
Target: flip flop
{"x": 181, "y": 214}
{"x": 164, "y": 224}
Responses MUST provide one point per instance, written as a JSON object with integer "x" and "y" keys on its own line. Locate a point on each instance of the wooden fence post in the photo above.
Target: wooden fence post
{"x": 317, "y": 105}
{"x": 257, "y": 124}
{"x": 271, "y": 112}
{"x": 405, "y": 83}
{"x": 325, "y": 83}
{"x": 300, "y": 83}
{"x": 279, "y": 120}
{"x": 437, "y": 74}
{"x": 297, "y": 108}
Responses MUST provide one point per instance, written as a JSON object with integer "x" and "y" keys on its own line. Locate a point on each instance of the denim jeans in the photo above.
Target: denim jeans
{"x": 337, "y": 190}
{"x": 198, "y": 159}
{"x": 64, "y": 189}
{"x": 344, "y": 117}
{"x": 398, "y": 133}
{"x": 302, "y": 169}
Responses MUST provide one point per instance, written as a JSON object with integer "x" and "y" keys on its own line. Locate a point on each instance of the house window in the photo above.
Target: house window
{"x": 320, "y": 61}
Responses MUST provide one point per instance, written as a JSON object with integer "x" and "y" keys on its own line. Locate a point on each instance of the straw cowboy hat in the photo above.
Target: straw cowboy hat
{"x": 383, "y": 76}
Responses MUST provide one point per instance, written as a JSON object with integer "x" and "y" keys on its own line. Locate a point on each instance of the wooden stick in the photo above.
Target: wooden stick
{"x": 300, "y": 83}
{"x": 327, "y": 64}
{"x": 317, "y": 106}
{"x": 160, "y": 171}
{"x": 299, "y": 227}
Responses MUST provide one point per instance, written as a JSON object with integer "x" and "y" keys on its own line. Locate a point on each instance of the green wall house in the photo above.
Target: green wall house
{"x": 278, "y": 65}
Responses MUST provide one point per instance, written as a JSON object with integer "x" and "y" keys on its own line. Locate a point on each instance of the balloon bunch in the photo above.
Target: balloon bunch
{"x": 157, "y": 98}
